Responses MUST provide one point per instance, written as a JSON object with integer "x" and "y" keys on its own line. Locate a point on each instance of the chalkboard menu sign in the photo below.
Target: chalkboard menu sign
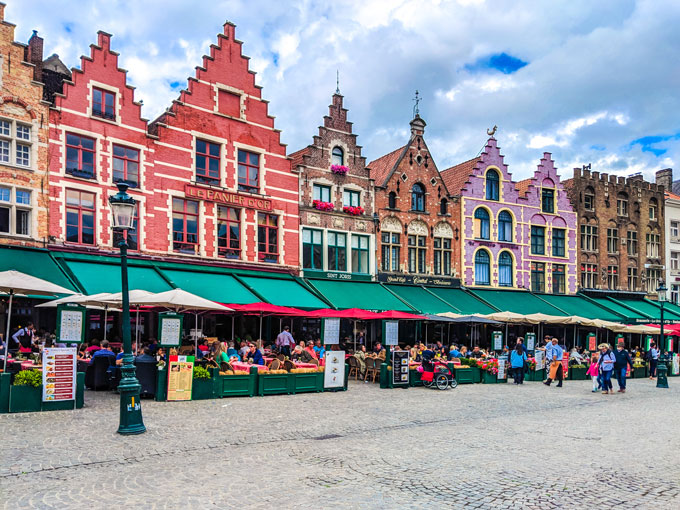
{"x": 400, "y": 373}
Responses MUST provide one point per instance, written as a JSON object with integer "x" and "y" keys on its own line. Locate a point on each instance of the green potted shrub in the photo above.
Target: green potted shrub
{"x": 577, "y": 372}
{"x": 639, "y": 370}
{"x": 26, "y": 392}
{"x": 202, "y": 386}
{"x": 476, "y": 371}
{"x": 489, "y": 368}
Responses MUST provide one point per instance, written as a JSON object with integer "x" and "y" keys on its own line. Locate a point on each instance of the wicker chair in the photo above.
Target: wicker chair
{"x": 281, "y": 357}
{"x": 314, "y": 361}
{"x": 370, "y": 369}
{"x": 288, "y": 365}
{"x": 224, "y": 366}
{"x": 353, "y": 367}
{"x": 275, "y": 365}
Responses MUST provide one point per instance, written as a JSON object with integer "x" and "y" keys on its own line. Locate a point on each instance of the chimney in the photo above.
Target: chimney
{"x": 34, "y": 55}
{"x": 417, "y": 126}
{"x": 665, "y": 178}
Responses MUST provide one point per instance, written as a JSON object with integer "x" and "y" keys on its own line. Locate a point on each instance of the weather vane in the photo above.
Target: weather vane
{"x": 416, "y": 99}
{"x": 492, "y": 131}
{"x": 337, "y": 81}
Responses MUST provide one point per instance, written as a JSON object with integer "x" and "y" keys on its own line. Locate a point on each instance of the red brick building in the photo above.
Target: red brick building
{"x": 211, "y": 176}
{"x": 336, "y": 202}
{"x": 418, "y": 227}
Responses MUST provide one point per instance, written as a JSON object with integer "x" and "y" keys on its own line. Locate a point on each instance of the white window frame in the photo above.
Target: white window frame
{"x": 14, "y": 142}
{"x": 13, "y": 207}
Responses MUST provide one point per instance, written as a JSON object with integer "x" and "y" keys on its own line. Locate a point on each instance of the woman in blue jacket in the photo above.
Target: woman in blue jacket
{"x": 517, "y": 359}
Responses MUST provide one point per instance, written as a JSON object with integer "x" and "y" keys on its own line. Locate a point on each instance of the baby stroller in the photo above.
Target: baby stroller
{"x": 435, "y": 374}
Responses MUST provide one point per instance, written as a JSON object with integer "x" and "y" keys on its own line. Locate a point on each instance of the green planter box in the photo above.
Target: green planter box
{"x": 577, "y": 374}
{"x": 161, "y": 385}
{"x": 306, "y": 382}
{"x": 639, "y": 373}
{"x": 236, "y": 385}
{"x": 535, "y": 375}
{"x": 464, "y": 375}
{"x": 24, "y": 399}
{"x": 202, "y": 389}
{"x": 414, "y": 378}
{"x": 275, "y": 384}
{"x": 476, "y": 374}
{"x": 489, "y": 378}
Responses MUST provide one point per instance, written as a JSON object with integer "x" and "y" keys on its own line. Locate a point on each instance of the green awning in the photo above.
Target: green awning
{"x": 364, "y": 295}
{"x": 462, "y": 301}
{"x": 34, "y": 262}
{"x": 220, "y": 287}
{"x": 672, "y": 307}
{"x": 629, "y": 316}
{"x": 420, "y": 299}
{"x": 95, "y": 277}
{"x": 577, "y": 305}
{"x": 283, "y": 291}
{"x": 648, "y": 308}
{"x": 516, "y": 301}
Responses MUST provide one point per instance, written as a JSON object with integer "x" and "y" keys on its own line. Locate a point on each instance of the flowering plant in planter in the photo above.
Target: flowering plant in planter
{"x": 323, "y": 206}
{"x": 354, "y": 211}
{"x": 339, "y": 169}
{"x": 489, "y": 364}
{"x": 532, "y": 363}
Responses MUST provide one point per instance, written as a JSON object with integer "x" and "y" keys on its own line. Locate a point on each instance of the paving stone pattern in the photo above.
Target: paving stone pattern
{"x": 478, "y": 446}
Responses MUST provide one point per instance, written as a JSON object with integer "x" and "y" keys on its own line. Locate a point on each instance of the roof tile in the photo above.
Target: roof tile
{"x": 381, "y": 167}
{"x": 456, "y": 176}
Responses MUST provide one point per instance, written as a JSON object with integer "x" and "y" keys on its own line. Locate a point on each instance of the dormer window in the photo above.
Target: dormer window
{"x": 418, "y": 197}
{"x": 337, "y": 156}
{"x": 103, "y": 104}
{"x": 492, "y": 185}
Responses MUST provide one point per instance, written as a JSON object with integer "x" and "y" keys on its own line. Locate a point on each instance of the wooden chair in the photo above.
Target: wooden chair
{"x": 186, "y": 350}
{"x": 281, "y": 357}
{"x": 370, "y": 368}
{"x": 314, "y": 361}
{"x": 275, "y": 364}
{"x": 288, "y": 365}
{"x": 224, "y": 366}
{"x": 353, "y": 367}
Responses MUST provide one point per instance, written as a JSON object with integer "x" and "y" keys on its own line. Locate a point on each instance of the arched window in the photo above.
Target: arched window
{"x": 505, "y": 269}
{"x": 505, "y": 226}
{"x": 482, "y": 268}
{"x": 492, "y": 185}
{"x": 444, "y": 206}
{"x": 338, "y": 156}
{"x": 392, "y": 200}
{"x": 418, "y": 197}
{"x": 481, "y": 224}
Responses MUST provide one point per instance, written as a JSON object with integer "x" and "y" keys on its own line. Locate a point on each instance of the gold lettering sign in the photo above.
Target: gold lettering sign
{"x": 224, "y": 197}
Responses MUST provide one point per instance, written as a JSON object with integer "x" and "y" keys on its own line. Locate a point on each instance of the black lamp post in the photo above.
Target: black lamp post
{"x": 123, "y": 209}
{"x": 661, "y": 379}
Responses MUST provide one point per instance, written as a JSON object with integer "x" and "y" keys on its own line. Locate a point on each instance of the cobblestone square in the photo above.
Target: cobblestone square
{"x": 478, "y": 446}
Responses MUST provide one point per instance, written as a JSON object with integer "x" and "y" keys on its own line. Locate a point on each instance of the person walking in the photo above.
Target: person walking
{"x": 284, "y": 341}
{"x": 594, "y": 371}
{"x": 556, "y": 370}
{"x": 653, "y": 357}
{"x": 623, "y": 359}
{"x": 517, "y": 359}
{"x": 606, "y": 364}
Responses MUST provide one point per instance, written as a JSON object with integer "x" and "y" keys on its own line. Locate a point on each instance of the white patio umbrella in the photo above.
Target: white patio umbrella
{"x": 15, "y": 282}
{"x": 100, "y": 300}
{"x": 133, "y": 295}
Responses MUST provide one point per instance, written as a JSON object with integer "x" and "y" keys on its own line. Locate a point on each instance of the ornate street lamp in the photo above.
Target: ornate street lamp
{"x": 123, "y": 209}
{"x": 661, "y": 380}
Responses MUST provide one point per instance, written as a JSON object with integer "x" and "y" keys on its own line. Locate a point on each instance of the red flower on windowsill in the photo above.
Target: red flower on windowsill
{"x": 339, "y": 169}
{"x": 354, "y": 211}
{"x": 323, "y": 206}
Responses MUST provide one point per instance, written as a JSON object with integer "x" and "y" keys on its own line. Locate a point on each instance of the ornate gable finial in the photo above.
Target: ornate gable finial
{"x": 416, "y": 110}
{"x": 492, "y": 132}
{"x": 337, "y": 82}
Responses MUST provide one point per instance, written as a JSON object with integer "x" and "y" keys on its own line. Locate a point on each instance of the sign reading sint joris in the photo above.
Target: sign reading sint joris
{"x": 226, "y": 197}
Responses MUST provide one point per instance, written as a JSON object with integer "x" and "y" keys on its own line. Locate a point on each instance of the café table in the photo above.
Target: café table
{"x": 245, "y": 367}
{"x": 300, "y": 364}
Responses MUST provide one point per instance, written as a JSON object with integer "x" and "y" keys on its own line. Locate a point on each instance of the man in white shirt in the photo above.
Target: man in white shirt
{"x": 284, "y": 341}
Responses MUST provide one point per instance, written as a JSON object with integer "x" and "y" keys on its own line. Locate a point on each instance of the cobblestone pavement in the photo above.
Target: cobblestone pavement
{"x": 478, "y": 446}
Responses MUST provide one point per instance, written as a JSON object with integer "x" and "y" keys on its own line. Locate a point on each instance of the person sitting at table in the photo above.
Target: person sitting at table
{"x": 255, "y": 354}
{"x": 94, "y": 347}
{"x": 219, "y": 354}
{"x": 119, "y": 355}
{"x": 232, "y": 352}
{"x": 427, "y": 354}
{"x": 377, "y": 348}
{"x": 319, "y": 349}
{"x": 454, "y": 352}
{"x": 299, "y": 354}
{"x": 309, "y": 347}
{"x": 160, "y": 354}
{"x": 145, "y": 357}
{"x": 463, "y": 352}
{"x": 476, "y": 353}
{"x": 104, "y": 351}
{"x": 440, "y": 349}
{"x": 360, "y": 356}
{"x": 243, "y": 351}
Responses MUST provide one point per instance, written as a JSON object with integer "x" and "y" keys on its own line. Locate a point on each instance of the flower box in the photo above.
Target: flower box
{"x": 202, "y": 389}
{"x": 535, "y": 375}
{"x": 577, "y": 374}
{"x": 639, "y": 372}
{"x": 339, "y": 169}
{"x": 354, "y": 211}
{"x": 323, "y": 206}
{"x": 464, "y": 375}
{"x": 19, "y": 399}
{"x": 489, "y": 378}
{"x": 476, "y": 374}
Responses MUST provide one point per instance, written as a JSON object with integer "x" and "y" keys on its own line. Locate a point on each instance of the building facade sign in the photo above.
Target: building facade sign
{"x": 408, "y": 279}
{"x": 226, "y": 197}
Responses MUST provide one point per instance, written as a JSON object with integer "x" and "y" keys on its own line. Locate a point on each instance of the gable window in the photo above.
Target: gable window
{"x": 15, "y": 139}
{"x": 505, "y": 269}
{"x": 337, "y": 251}
{"x": 482, "y": 230}
{"x": 622, "y": 204}
{"x": 653, "y": 245}
{"x": 80, "y": 156}
{"x": 15, "y": 211}
{"x": 589, "y": 199}
{"x": 589, "y": 237}
{"x": 653, "y": 210}
{"x": 184, "y": 226}
{"x": 321, "y": 193}
{"x": 492, "y": 185}
{"x": 558, "y": 279}
{"x": 337, "y": 156}
{"x": 416, "y": 254}
{"x": 359, "y": 254}
{"x": 268, "y": 237}
{"x": 350, "y": 198}
{"x": 126, "y": 165}
{"x": 548, "y": 200}
{"x": 248, "y": 171}
{"x": 80, "y": 210}
{"x": 132, "y": 234}
{"x": 537, "y": 277}
{"x": 589, "y": 276}
{"x": 442, "y": 256}
{"x": 103, "y": 104}
{"x": 558, "y": 242}
{"x": 418, "y": 197}
{"x": 312, "y": 249}
{"x": 228, "y": 232}
{"x": 612, "y": 277}
{"x": 482, "y": 268}
{"x": 444, "y": 206}
{"x": 207, "y": 162}
{"x": 632, "y": 243}
{"x": 612, "y": 240}
{"x": 537, "y": 240}
{"x": 391, "y": 248}
{"x": 632, "y": 278}
{"x": 505, "y": 226}
{"x": 392, "y": 200}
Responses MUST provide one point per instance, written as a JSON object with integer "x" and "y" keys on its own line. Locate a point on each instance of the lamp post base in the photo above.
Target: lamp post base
{"x": 661, "y": 371}
{"x": 130, "y": 407}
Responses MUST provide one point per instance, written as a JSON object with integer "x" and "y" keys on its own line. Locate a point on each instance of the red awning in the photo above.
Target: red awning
{"x": 668, "y": 329}
{"x": 265, "y": 308}
{"x": 349, "y": 313}
{"x": 393, "y": 314}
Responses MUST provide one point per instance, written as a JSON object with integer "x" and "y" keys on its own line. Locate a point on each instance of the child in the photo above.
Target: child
{"x": 594, "y": 371}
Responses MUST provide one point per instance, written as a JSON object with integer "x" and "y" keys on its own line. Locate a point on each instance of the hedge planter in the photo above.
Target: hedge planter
{"x": 464, "y": 375}
{"x": 476, "y": 374}
{"x": 20, "y": 399}
{"x": 202, "y": 389}
{"x": 577, "y": 374}
{"x": 535, "y": 375}
{"x": 25, "y": 399}
{"x": 639, "y": 373}
{"x": 489, "y": 378}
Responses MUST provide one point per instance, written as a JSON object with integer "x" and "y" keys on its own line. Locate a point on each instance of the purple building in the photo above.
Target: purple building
{"x": 513, "y": 234}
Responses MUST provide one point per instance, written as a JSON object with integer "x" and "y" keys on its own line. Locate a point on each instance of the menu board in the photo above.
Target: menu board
{"x": 540, "y": 360}
{"x": 531, "y": 341}
{"x": 565, "y": 364}
{"x": 330, "y": 331}
{"x": 334, "y": 371}
{"x": 400, "y": 366}
{"x": 170, "y": 328}
{"x": 502, "y": 363}
{"x": 180, "y": 377}
{"x": 497, "y": 340}
{"x": 59, "y": 373}
{"x": 70, "y": 323}
{"x": 391, "y": 332}
{"x": 592, "y": 342}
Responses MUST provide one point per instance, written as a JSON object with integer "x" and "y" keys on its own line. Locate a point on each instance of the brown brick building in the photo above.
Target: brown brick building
{"x": 336, "y": 202}
{"x": 620, "y": 231}
{"x": 418, "y": 226}
{"x": 24, "y": 119}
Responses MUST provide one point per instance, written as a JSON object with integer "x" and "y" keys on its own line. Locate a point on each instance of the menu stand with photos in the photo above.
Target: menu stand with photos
{"x": 180, "y": 377}
{"x": 334, "y": 371}
{"x": 170, "y": 327}
{"x": 59, "y": 374}
{"x": 497, "y": 341}
{"x": 400, "y": 368}
{"x": 71, "y": 323}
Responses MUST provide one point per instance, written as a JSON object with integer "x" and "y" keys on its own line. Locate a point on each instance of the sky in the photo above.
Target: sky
{"x": 592, "y": 82}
